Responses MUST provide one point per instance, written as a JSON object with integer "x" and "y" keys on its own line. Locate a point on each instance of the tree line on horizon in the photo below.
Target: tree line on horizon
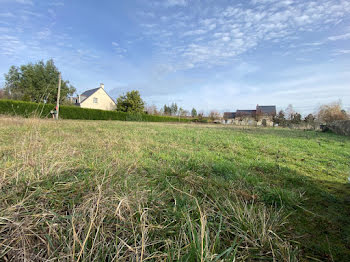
{"x": 325, "y": 114}
{"x": 172, "y": 110}
{"x": 38, "y": 83}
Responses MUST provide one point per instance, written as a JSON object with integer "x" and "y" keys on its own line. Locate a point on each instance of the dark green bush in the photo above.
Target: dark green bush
{"x": 30, "y": 109}
{"x": 25, "y": 109}
{"x": 200, "y": 120}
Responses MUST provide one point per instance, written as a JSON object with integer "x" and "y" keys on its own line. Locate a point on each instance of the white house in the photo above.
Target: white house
{"x": 96, "y": 98}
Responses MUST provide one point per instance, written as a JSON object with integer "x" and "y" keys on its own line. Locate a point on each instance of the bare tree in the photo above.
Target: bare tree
{"x": 214, "y": 115}
{"x": 289, "y": 112}
{"x": 152, "y": 110}
{"x": 200, "y": 115}
{"x": 332, "y": 112}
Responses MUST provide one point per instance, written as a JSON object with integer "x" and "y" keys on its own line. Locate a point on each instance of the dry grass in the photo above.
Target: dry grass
{"x": 115, "y": 191}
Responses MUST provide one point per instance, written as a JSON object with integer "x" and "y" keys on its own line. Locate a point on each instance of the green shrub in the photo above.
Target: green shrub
{"x": 30, "y": 109}
{"x": 200, "y": 120}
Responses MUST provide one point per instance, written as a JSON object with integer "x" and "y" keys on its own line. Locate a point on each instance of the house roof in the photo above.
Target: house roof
{"x": 90, "y": 92}
{"x": 229, "y": 115}
{"x": 267, "y": 109}
{"x": 245, "y": 112}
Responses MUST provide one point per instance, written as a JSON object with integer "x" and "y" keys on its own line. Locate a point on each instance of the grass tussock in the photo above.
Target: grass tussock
{"x": 107, "y": 191}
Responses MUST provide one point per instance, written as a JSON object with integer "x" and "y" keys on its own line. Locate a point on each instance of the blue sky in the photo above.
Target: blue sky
{"x": 207, "y": 54}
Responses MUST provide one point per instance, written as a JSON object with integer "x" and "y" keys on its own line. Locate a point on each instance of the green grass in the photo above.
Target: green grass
{"x": 128, "y": 191}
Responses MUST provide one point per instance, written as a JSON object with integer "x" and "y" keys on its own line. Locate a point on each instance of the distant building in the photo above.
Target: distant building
{"x": 266, "y": 110}
{"x": 96, "y": 98}
{"x": 229, "y": 117}
{"x": 261, "y": 116}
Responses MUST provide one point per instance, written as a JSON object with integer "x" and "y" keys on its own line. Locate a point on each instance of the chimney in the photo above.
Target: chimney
{"x": 78, "y": 99}
{"x": 102, "y": 86}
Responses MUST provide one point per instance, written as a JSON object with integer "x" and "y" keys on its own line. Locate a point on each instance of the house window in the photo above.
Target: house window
{"x": 95, "y": 100}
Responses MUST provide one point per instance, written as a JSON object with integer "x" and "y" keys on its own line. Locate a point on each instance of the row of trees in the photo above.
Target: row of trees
{"x": 174, "y": 110}
{"x": 171, "y": 110}
{"x": 325, "y": 114}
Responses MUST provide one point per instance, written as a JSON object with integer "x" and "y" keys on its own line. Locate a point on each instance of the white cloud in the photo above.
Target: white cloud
{"x": 44, "y": 34}
{"x": 313, "y": 44}
{"x": 175, "y": 2}
{"x": 25, "y": 2}
{"x": 146, "y": 14}
{"x": 10, "y": 45}
{"x": 256, "y": 2}
{"x": 57, "y": 3}
{"x": 118, "y": 49}
{"x": 86, "y": 54}
{"x": 339, "y": 37}
{"x": 52, "y": 13}
{"x": 194, "y": 32}
{"x": 341, "y": 52}
{"x": 226, "y": 39}
{"x": 4, "y": 29}
{"x": 27, "y": 14}
{"x": 7, "y": 15}
{"x": 149, "y": 25}
{"x": 225, "y": 33}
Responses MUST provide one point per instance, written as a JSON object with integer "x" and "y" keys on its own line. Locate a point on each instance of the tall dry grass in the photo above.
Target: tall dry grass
{"x": 77, "y": 196}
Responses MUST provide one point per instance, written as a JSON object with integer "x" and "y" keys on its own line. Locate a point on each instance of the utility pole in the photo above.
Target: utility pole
{"x": 58, "y": 96}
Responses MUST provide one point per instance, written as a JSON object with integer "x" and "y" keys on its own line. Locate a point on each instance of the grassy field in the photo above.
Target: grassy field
{"x": 127, "y": 191}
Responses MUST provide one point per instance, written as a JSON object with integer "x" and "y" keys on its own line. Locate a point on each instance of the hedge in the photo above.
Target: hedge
{"x": 30, "y": 109}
